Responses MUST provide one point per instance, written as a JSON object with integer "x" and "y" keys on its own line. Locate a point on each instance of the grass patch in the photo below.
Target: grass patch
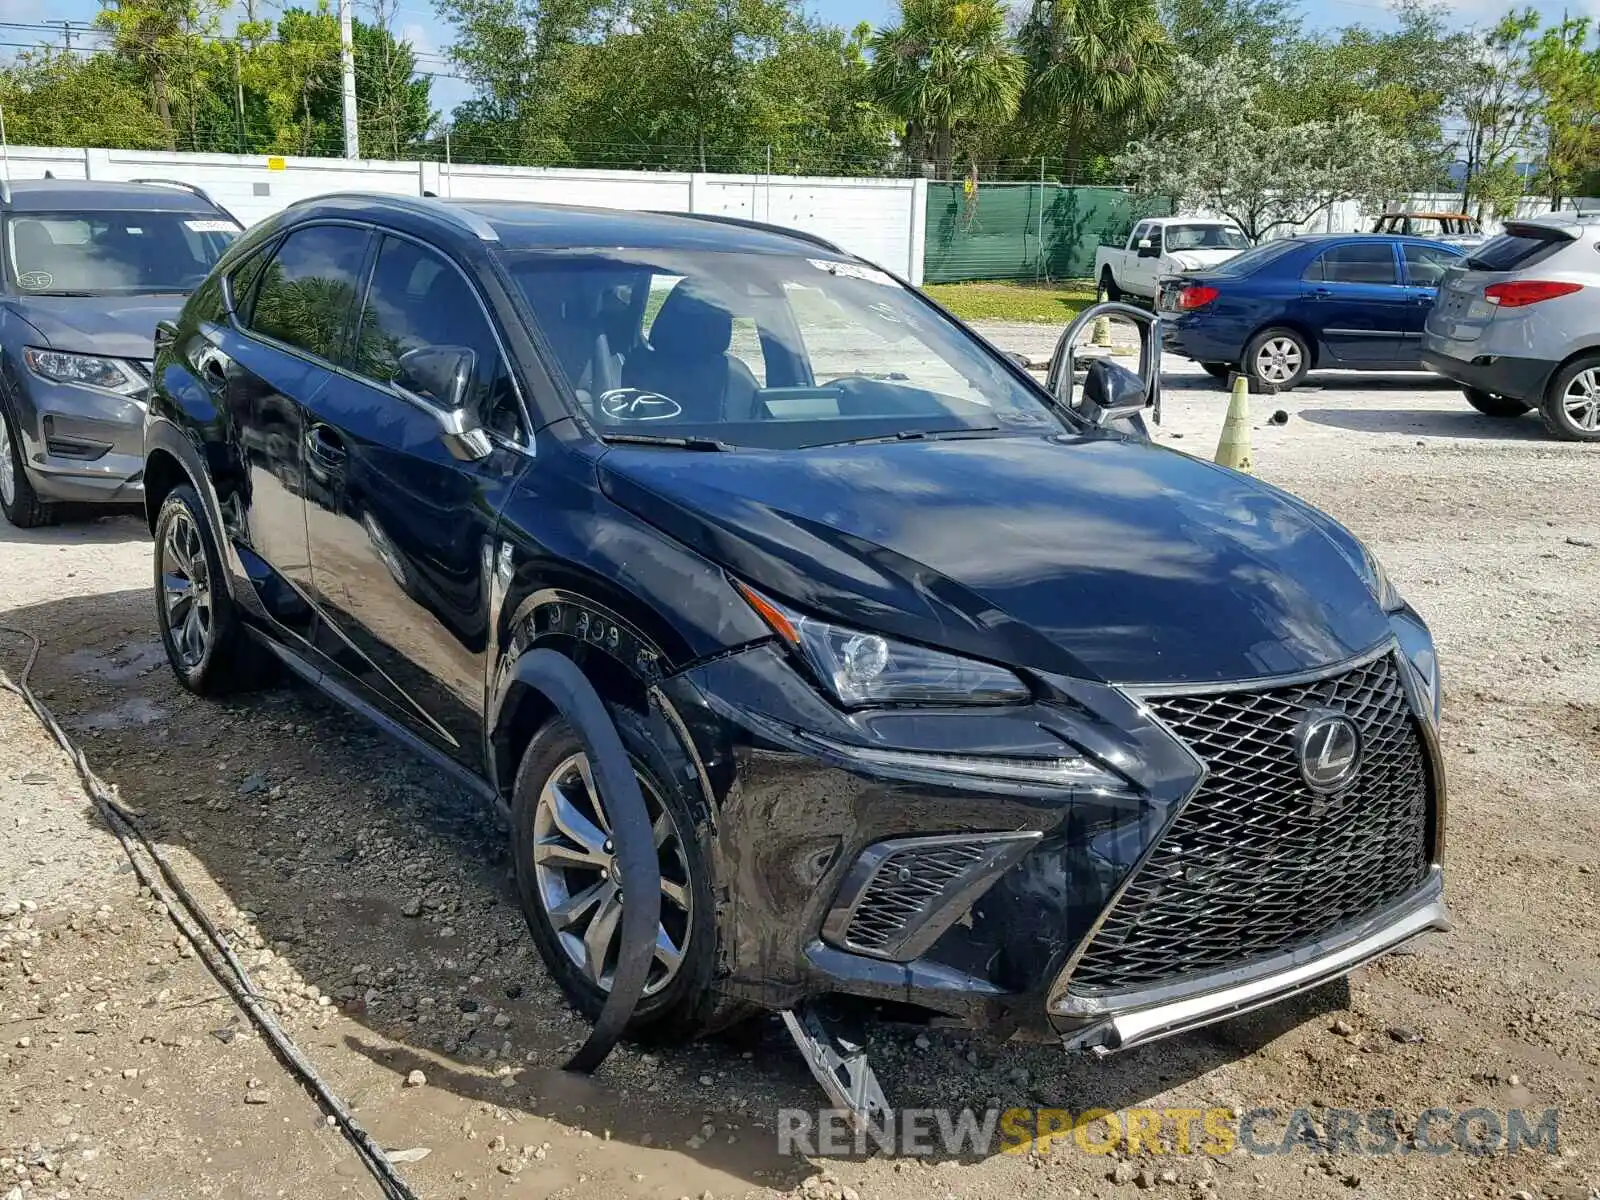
{"x": 1048, "y": 303}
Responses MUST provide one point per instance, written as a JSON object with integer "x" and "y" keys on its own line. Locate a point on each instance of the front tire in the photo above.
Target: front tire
{"x": 1571, "y": 408}
{"x": 207, "y": 646}
{"x": 18, "y": 500}
{"x": 563, "y": 859}
{"x": 1491, "y": 405}
{"x": 1278, "y": 357}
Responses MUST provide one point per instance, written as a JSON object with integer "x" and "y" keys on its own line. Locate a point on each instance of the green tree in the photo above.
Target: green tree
{"x": 1095, "y": 67}
{"x": 1564, "y": 66}
{"x": 1259, "y": 30}
{"x": 946, "y": 65}
{"x": 1222, "y": 150}
{"x": 58, "y": 99}
{"x": 1495, "y": 108}
{"x": 166, "y": 40}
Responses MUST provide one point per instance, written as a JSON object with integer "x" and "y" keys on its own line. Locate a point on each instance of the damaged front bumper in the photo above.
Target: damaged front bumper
{"x": 1107, "y": 1023}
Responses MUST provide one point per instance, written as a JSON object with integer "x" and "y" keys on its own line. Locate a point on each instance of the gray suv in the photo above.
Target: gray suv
{"x": 1517, "y": 324}
{"x": 89, "y": 268}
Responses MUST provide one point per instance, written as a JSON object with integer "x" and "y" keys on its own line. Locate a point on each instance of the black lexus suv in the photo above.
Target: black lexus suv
{"x": 937, "y": 687}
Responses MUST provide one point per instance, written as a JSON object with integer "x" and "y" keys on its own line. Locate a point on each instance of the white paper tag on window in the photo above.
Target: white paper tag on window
{"x": 852, "y": 271}
{"x": 212, "y": 226}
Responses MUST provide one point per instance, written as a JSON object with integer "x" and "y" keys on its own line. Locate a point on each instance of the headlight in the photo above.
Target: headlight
{"x": 86, "y": 370}
{"x": 866, "y": 668}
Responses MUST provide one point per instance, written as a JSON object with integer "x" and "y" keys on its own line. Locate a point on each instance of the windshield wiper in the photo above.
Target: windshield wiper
{"x": 919, "y": 435}
{"x": 660, "y": 439}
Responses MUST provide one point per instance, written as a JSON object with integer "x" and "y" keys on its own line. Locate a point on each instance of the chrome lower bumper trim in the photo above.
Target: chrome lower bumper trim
{"x": 1278, "y": 979}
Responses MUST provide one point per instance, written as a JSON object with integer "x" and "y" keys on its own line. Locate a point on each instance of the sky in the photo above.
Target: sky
{"x": 416, "y": 21}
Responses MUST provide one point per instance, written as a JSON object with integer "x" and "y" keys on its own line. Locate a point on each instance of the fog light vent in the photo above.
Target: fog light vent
{"x": 900, "y": 895}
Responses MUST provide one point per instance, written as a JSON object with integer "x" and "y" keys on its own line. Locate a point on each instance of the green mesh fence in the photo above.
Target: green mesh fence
{"x": 1000, "y": 231}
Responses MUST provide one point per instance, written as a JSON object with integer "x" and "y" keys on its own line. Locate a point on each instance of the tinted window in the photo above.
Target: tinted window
{"x": 1205, "y": 237}
{"x": 307, "y": 290}
{"x": 1356, "y": 262}
{"x": 419, "y": 301}
{"x": 114, "y": 253}
{"x": 1426, "y": 265}
{"x": 764, "y": 350}
{"x": 1512, "y": 250}
{"x": 1253, "y": 259}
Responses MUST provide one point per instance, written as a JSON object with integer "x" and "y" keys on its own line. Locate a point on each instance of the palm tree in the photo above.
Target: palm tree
{"x": 947, "y": 63}
{"x": 1093, "y": 63}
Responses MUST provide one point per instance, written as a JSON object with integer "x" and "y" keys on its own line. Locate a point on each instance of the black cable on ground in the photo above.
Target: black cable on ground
{"x": 213, "y": 949}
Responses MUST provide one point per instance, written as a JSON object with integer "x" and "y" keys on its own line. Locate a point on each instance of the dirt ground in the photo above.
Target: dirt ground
{"x": 371, "y": 901}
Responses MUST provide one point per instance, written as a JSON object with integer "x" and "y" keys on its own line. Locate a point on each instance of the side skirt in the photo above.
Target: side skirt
{"x": 331, "y": 687}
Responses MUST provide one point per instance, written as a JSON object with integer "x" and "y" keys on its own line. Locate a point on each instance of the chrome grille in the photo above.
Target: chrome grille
{"x": 1257, "y": 863}
{"x": 905, "y": 884}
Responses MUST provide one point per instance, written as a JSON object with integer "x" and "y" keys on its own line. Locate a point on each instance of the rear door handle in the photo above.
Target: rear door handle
{"x": 326, "y": 446}
{"x": 1322, "y": 293}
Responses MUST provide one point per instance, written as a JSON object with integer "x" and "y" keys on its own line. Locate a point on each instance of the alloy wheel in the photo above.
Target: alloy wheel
{"x": 186, "y": 590}
{"x": 579, "y": 880}
{"x": 1278, "y": 360}
{"x": 1582, "y": 400}
{"x": 8, "y": 469}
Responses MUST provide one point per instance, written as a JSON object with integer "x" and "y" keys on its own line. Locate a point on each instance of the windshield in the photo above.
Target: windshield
{"x": 776, "y": 351}
{"x": 113, "y": 253}
{"x": 1255, "y": 257}
{"x": 1205, "y": 237}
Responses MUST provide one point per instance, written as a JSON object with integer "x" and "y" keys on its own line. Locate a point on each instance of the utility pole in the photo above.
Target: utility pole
{"x": 347, "y": 60}
{"x": 66, "y": 33}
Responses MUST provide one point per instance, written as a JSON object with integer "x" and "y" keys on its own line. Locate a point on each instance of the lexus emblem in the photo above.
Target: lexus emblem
{"x": 1329, "y": 746}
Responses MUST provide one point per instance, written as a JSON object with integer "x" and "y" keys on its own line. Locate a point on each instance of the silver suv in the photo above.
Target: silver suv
{"x": 1517, "y": 324}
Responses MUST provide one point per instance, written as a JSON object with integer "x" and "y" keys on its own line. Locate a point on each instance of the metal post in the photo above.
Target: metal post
{"x": 347, "y": 60}
{"x": 1039, "y": 265}
{"x": 449, "y": 177}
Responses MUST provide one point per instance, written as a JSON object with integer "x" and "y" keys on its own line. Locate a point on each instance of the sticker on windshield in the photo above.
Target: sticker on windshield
{"x": 853, "y": 271}
{"x": 211, "y": 226}
{"x": 36, "y": 279}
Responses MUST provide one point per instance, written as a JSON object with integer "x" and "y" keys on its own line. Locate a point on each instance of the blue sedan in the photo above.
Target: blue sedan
{"x": 1349, "y": 302}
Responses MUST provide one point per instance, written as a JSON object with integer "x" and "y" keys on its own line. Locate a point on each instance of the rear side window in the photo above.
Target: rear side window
{"x": 307, "y": 290}
{"x": 1426, "y": 265}
{"x": 1520, "y": 248}
{"x": 1356, "y": 262}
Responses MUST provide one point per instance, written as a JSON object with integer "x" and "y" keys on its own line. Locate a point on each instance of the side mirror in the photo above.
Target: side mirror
{"x": 1148, "y": 249}
{"x": 438, "y": 379}
{"x": 1113, "y": 396}
{"x": 1111, "y": 392}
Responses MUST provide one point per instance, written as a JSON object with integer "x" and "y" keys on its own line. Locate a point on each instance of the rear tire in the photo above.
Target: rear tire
{"x": 1218, "y": 370}
{"x": 207, "y": 647}
{"x": 1491, "y": 405}
{"x": 1571, "y": 408}
{"x": 18, "y": 500}
{"x": 1278, "y": 357}
{"x": 1108, "y": 285}
{"x": 683, "y": 1004}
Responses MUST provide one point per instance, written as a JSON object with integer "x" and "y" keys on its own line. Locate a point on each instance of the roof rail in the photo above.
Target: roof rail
{"x": 764, "y": 226}
{"x": 420, "y": 205}
{"x": 192, "y": 188}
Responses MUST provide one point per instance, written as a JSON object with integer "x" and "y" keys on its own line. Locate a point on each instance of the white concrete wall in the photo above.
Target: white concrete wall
{"x": 880, "y": 219}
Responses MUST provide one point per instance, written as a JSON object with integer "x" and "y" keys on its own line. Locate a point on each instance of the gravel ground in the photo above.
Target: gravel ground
{"x": 371, "y": 901}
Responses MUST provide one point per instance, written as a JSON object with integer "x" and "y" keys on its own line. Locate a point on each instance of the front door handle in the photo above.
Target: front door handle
{"x": 1321, "y": 293}
{"x": 326, "y": 446}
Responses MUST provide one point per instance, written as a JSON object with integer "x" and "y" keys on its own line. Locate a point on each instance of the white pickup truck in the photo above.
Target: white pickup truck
{"x": 1162, "y": 246}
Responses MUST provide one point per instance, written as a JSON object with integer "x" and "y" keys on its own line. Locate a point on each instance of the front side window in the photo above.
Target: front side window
{"x": 764, "y": 350}
{"x": 418, "y": 301}
{"x": 1206, "y": 237}
{"x": 307, "y": 291}
{"x": 113, "y": 253}
{"x": 1356, "y": 262}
